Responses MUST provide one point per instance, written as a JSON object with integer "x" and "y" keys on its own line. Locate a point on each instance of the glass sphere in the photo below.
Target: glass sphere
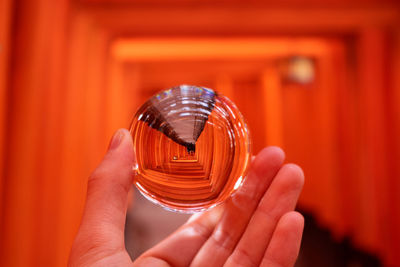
{"x": 192, "y": 148}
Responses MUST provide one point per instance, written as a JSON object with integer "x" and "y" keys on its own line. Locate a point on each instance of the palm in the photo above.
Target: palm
{"x": 257, "y": 226}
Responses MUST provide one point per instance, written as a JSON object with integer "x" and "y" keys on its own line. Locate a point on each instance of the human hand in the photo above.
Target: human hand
{"x": 255, "y": 227}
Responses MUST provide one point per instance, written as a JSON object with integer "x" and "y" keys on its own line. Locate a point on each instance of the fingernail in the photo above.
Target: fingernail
{"x": 116, "y": 139}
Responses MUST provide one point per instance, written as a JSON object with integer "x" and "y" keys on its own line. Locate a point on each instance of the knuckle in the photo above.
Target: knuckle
{"x": 242, "y": 258}
{"x": 223, "y": 239}
{"x": 267, "y": 261}
{"x": 246, "y": 198}
{"x": 84, "y": 248}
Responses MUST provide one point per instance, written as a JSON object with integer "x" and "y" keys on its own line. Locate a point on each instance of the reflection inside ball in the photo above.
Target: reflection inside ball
{"x": 192, "y": 148}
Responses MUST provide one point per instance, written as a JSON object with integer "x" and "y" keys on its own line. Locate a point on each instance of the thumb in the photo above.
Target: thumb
{"x": 107, "y": 194}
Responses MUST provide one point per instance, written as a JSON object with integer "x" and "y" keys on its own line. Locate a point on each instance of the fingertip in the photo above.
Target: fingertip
{"x": 268, "y": 157}
{"x": 274, "y": 149}
{"x": 293, "y": 218}
{"x": 126, "y": 134}
{"x": 124, "y": 149}
{"x": 273, "y": 153}
{"x": 116, "y": 140}
{"x": 295, "y": 168}
{"x": 121, "y": 137}
{"x": 294, "y": 175}
{"x": 277, "y": 150}
{"x": 126, "y": 137}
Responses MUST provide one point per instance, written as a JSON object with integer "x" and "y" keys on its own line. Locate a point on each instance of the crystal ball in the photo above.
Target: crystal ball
{"x": 192, "y": 148}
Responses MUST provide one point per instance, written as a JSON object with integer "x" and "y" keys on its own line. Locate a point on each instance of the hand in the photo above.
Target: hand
{"x": 255, "y": 227}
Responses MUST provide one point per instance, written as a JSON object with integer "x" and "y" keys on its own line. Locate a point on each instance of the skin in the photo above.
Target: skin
{"x": 256, "y": 227}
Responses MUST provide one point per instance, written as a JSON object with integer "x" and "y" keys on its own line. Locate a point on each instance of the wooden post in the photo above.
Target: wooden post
{"x": 272, "y": 106}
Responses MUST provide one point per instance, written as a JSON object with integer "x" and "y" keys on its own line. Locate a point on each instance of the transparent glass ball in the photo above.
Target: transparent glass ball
{"x": 192, "y": 148}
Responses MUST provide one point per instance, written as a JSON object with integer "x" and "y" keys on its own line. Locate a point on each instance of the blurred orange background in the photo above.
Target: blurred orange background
{"x": 319, "y": 78}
